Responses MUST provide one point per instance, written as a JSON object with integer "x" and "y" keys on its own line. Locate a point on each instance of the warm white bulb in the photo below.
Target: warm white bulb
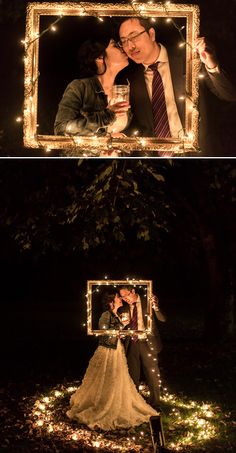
{"x": 57, "y": 393}
{"x": 40, "y": 422}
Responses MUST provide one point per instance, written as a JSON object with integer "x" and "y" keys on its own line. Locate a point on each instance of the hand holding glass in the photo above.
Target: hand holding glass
{"x": 119, "y": 102}
{"x": 125, "y": 318}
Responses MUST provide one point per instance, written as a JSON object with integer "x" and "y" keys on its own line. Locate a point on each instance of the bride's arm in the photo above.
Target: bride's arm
{"x": 104, "y": 321}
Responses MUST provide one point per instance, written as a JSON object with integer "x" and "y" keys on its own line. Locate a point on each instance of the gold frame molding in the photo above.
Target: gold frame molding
{"x": 97, "y": 283}
{"x": 91, "y": 146}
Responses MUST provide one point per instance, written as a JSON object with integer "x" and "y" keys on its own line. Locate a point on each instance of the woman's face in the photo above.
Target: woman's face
{"x": 115, "y": 57}
{"x": 117, "y": 301}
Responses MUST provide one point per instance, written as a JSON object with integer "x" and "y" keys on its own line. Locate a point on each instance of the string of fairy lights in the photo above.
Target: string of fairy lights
{"x": 138, "y": 9}
{"x": 187, "y": 423}
{"x": 192, "y": 423}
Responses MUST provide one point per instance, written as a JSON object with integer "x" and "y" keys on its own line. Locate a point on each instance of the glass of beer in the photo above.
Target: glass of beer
{"x": 125, "y": 318}
{"x": 120, "y": 93}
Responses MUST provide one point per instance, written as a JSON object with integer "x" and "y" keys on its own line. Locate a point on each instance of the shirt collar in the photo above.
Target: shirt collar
{"x": 162, "y": 58}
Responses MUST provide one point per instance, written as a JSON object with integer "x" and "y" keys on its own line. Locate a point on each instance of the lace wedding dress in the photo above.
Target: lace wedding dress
{"x": 107, "y": 398}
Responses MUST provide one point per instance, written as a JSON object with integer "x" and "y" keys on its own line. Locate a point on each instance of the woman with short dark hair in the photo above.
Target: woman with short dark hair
{"x": 107, "y": 398}
{"x": 86, "y": 108}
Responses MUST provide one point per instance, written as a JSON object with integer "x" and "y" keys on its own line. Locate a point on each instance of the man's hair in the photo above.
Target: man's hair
{"x": 144, "y": 22}
{"x": 129, "y": 287}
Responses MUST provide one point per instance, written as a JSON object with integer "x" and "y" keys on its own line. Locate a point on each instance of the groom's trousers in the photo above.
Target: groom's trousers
{"x": 140, "y": 355}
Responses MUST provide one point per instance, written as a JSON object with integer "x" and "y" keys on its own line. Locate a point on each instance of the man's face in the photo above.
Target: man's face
{"x": 143, "y": 47}
{"x": 127, "y": 295}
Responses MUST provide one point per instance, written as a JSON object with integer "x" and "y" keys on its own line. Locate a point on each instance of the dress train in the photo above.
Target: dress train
{"x": 107, "y": 398}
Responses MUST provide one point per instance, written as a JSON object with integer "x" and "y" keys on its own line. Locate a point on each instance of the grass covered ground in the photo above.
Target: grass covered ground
{"x": 198, "y": 408}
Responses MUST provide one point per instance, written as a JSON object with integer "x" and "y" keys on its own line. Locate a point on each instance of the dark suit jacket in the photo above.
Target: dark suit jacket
{"x": 154, "y": 336}
{"x": 219, "y": 84}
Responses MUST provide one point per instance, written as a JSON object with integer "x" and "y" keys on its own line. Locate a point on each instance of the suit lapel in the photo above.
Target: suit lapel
{"x": 144, "y": 310}
{"x": 141, "y": 104}
{"x": 178, "y": 75}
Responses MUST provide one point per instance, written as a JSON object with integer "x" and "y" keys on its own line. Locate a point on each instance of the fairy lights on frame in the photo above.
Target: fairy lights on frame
{"x": 92, "y": 146}
{"x": 95, "y": 291}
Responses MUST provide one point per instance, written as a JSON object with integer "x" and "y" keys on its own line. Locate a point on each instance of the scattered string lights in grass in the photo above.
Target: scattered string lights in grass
{"x": 187, "y": 423}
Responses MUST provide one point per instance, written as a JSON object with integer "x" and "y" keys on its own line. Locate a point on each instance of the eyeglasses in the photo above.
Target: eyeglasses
{"x": 124, "y": 41}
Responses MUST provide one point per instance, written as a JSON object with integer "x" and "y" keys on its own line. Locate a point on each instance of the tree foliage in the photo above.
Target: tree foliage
{"x": 69, "y": 207}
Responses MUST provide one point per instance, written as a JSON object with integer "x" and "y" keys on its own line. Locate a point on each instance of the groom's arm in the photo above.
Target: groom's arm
{"x": 155, "y": 305}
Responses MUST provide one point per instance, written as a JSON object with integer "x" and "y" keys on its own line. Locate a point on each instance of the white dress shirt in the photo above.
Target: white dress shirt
{"x": 175, "y": 125}
{"x": 141, "y": 325}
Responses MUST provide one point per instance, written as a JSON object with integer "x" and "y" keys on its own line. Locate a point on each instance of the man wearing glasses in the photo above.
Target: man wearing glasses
{"x": 157, "y": 80}
{"x": 142, "y": 349}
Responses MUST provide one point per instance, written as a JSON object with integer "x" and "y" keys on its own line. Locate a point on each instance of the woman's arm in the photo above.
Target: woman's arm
{"x": 72, "y": 119}
{"x": 104, "y": 321}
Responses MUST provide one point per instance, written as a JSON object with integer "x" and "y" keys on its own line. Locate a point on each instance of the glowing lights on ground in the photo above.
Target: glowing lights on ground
{"x": 192, "y": 423}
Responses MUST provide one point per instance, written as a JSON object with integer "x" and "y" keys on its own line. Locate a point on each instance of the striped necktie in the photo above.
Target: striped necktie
{"x": 134, "y": 322}
{"x": 160, "y": 118}
{"x": 134, "y": 319}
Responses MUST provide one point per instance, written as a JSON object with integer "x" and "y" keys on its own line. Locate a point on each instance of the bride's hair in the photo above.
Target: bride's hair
{"x": 107, "y": 299}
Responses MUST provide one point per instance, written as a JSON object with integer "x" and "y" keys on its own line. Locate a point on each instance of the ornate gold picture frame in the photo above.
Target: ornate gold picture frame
{"x": 41, "y": 32}
{"x": 96, "y": 290}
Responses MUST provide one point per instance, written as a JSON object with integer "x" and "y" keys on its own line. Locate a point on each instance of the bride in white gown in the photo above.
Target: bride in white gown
{"x": 107, "y": 398}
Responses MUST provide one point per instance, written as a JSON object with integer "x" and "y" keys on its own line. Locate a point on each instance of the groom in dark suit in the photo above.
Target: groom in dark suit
{"x": 153, "y": 69}
{"x": 142, "y": 349}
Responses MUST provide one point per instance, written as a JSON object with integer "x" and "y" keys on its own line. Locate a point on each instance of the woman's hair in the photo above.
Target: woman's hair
{"x": 87, "y": 54}
{"x": 107, "y": 300}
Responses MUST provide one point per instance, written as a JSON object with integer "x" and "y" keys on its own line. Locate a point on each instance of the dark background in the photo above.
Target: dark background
{"x": 58, "y": 56}
{"x": 217, "y": 24}
{"x": 45, "y": 264}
